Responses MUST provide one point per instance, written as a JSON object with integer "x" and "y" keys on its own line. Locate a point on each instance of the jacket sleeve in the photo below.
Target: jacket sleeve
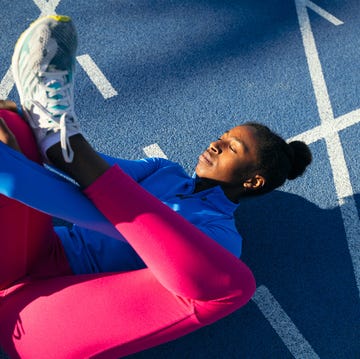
{"x": 138, "y": 169}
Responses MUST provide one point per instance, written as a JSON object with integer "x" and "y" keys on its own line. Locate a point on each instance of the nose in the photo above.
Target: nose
{"x": 215, "y": 147}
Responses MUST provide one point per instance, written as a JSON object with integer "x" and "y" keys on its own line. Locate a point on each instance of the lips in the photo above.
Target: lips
{"x": 206, "y": 158}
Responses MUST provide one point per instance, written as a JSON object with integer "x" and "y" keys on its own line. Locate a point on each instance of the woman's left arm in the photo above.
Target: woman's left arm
{"x": 137, "y": 169}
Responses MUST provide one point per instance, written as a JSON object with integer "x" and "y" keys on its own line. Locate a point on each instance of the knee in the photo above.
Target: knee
{"x": 210, "y": 311}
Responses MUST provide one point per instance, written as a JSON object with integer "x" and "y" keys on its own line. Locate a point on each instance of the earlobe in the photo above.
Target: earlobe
{"x": 255, "y": 182}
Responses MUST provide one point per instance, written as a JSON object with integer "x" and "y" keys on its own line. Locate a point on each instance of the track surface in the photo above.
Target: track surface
{"x": 166, "y": 77}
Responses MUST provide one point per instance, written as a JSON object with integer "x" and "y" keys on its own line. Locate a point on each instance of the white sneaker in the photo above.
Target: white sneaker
{"x": 43, "y": 65}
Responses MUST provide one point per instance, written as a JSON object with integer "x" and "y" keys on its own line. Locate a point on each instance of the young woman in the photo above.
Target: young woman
{"x": 182, "y": 273}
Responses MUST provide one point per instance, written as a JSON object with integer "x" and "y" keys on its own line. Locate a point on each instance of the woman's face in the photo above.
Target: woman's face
{"x": 231, "y": 159}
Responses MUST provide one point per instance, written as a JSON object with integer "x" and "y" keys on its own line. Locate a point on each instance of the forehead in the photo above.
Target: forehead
{"x": 244, "y": 134}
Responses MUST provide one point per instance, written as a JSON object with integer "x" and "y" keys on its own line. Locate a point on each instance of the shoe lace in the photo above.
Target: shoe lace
{"x": 59, "y": 114}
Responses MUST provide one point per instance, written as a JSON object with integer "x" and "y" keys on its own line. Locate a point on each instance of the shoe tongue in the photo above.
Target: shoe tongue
{"x": 58, "y": 108}
{"x": 55, "y": 85}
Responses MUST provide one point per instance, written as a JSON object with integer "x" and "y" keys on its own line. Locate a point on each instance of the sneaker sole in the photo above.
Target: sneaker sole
{"x": 20, "y": 42}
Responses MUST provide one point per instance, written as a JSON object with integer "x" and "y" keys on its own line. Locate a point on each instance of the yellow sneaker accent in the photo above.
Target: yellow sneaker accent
{"x": 60, "y": 18}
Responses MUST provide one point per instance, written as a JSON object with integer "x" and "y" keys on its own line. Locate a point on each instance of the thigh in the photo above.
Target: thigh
{"x": 97, "y": 316}
{"x": 29, "y": 247}
{"x": 28, "y": 243}
{"x": 13, "y": 241}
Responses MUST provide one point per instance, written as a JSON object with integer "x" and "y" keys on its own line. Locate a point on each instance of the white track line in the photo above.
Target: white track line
{"x": 339, "y": 168}
{"x": 331, "y": 18}
{"x": 328, "y": 129}
{"x": 314, "y": 64}
{"x": 6, "y": 84}
{"x": 298, "y": 346}
{"x": 96, "y": 76}
{"x": 154, "y": 150}
{"x": 47, "y": 7}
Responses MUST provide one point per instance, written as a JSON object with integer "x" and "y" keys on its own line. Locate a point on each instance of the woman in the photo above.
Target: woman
{"x": 187, "y": 279}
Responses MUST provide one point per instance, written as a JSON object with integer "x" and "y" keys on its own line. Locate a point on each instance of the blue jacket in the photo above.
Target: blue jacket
{"x": 209, "y": 210}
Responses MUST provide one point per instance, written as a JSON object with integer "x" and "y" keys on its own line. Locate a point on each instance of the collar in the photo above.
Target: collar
{"x": 214, "y": 195}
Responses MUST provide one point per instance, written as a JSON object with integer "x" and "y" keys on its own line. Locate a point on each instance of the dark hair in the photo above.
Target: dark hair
{"x": 277, "y": 160}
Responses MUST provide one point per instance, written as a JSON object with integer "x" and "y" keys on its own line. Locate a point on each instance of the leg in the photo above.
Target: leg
{"x": 27, "y": 237}
{"x": 212, "y": 283}
{"x": 86, "y": 166}
{"x": 138, "y": 211}
{"x": 190, "y": 281}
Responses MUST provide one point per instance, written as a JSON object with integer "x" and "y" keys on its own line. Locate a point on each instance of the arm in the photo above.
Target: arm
{"x": 137, "y": 169}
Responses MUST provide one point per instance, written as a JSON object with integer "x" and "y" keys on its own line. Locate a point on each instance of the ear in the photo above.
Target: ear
{"x": 254, "y": 183}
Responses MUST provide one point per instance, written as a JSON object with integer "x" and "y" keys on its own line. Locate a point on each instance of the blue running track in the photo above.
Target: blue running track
{"x": 165, "y": 77}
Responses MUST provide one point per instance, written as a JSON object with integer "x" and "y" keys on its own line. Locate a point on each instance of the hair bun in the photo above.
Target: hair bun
{"x": 301, "y": 157}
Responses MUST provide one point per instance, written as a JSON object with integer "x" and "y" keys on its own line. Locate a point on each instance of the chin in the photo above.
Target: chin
{"x": 200, "y": 173}
{"x": 197, "y": 169}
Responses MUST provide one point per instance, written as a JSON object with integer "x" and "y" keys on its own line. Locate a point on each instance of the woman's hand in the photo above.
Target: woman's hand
{"x": 7, "y": 137}
{"x": 8, "y": 105}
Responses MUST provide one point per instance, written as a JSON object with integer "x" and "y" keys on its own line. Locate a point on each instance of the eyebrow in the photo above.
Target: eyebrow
{"x": 238, "y": 140}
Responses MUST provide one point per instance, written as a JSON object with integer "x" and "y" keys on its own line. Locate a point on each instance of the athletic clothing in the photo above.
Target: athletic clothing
{"x": 210, "y": 211}
{"x": 190, "y": 280}
{"x": 28, "y": 244}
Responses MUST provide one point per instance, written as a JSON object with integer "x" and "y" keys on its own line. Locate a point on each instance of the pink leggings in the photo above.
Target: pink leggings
{"x": 45, "y": 311}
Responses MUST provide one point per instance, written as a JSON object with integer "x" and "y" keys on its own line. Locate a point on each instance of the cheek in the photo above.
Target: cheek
{"x": 235, "y": 173}
{"x": 216, "y": 173}
{"x": 227, "y": 172}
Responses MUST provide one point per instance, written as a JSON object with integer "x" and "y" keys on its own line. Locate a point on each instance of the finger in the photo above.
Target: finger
{"x": 7, "y": 137}
{"x": 8, "y": 105}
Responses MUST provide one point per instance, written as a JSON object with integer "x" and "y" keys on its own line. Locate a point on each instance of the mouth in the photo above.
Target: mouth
{"x": 206, "y": 158}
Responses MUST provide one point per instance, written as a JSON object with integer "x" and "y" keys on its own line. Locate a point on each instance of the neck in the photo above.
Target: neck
{"x": 204, "y": 184}
{"x": 233, "y": 193}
